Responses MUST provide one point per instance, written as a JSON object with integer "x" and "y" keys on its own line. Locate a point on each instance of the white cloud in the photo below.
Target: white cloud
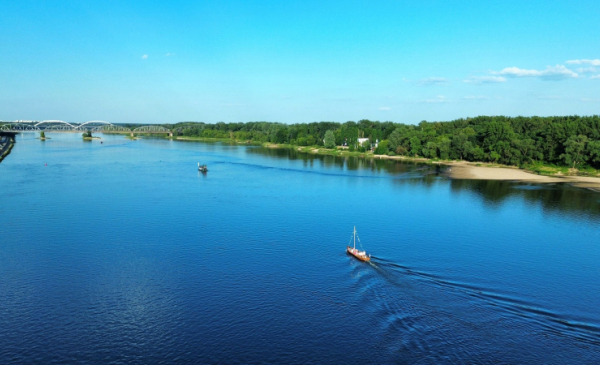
{"x": 145, "y": 57}
{"x": 476, "y": 97}
{"x": 557, "y": 72}
{"x": 170, "y": 54}
{"x": 438, "y": 99}
{"x": 385, "y": 108}
{"x": 587, "y": 70}
{"x": 484, "y": 79}
{"x": 595, "y": 62}
{"x": 434, "y": 81}
{"x": 596, "y": 77}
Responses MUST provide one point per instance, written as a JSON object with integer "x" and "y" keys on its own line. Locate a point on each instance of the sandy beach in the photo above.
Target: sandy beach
{"x": 463, "y": 170}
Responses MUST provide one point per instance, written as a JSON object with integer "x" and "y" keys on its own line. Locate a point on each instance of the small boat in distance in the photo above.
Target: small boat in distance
{"x": 202, "y": 168}
{"x": 361, "y": 255}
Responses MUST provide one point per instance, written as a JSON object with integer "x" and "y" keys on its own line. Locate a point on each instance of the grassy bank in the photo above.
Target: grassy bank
{"x": 553, "y": 170}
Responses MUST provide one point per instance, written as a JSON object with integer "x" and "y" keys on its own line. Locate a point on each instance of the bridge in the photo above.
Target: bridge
{"x": 98, "y": 126}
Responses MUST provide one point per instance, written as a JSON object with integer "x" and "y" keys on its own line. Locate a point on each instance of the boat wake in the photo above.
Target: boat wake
{"x": 580, "y": 329}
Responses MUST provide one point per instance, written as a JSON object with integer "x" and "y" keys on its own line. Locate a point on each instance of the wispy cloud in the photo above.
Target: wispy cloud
{"x": 385, "y": 108}
{"x": 558, "y": 72}
{"x": 595, "y": 62}
{"x": 434, "y": 81}
{"x": 170, "y": 54}
{"x": 596, "y": 77}
{"x": 145, "y": 57}
{"x": 484, "y": 79}
{"x": 438, "y": 99}
{"x": 476, "y": 97}
{"x": 587, "y": 70}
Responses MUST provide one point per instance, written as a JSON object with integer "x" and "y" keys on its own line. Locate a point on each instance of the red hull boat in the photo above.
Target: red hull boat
{"x": 359, "y": 255}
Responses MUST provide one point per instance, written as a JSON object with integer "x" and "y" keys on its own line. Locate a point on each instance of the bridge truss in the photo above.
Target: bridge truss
{"x": 98, "y": 126}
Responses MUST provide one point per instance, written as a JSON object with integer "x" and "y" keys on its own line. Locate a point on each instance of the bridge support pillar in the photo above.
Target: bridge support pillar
{"x": 132, "y": 134}
{"x": 170, "y": 134}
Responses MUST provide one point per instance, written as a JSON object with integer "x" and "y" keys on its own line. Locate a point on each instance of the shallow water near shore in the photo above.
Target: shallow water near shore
{"x": 122, "y": 253}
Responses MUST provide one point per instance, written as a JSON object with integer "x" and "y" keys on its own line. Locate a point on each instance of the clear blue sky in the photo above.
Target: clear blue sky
{"x": 297, "y": 61}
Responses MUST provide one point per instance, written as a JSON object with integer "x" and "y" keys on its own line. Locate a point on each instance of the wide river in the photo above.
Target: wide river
{"x": 122, "y": 253}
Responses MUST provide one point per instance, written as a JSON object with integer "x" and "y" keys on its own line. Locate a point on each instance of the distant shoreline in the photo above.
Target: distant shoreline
{"x": 465, "y": 170}
{"x": 459, "y": 170}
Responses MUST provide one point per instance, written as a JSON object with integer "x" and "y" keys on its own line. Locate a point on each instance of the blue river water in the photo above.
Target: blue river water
{"x": 122, "y": 253}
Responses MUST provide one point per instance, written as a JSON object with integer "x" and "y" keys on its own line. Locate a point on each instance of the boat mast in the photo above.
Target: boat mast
{"x": 355, "y": 237}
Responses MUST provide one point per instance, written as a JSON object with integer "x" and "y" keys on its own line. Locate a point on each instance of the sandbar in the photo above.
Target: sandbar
{"x": 464, "y": 170}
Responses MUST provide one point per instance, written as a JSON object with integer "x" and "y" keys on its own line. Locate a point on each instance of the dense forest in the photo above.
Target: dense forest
{"x": 571, "y": 141}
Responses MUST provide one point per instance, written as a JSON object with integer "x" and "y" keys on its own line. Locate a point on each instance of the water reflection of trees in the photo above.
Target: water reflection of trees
{"x": 555, "y": 198}
{"x": 343, "y": 162}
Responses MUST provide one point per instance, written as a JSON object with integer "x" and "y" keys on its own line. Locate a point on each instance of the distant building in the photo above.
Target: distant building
{"x": 373, "y": 145}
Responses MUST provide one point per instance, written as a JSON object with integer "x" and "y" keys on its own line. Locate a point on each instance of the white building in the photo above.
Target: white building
{"x": 373, "y": 145}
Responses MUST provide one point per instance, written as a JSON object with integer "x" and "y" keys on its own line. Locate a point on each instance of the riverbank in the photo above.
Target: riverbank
{"x": 472, "y": 170}
{"x": 455, "y": 169}
{"x": 6, "y": 145}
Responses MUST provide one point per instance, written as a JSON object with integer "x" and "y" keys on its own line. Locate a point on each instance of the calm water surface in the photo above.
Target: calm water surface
{"x": 122, "y": 253}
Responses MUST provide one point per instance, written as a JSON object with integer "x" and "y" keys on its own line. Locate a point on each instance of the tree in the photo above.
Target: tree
{"x": 526, "y": 147}
{"x": 593, "y": 150}
{"x": 476, "y": 153}
{"x": 400, "y": 150}
{"x": 42, "y": 134}
{"x": 415, "y": 146}
{"x": 574, "y": 148}
{"x": 459, "y": 143}
{"x": 494, "y": 156}
{"x": 382, "y": 147}
{"x": 395, "y": 138}
{"x": 444, "y": 147}
{"x": 366, "y": 145}
{"x": 329, "y": 140}
{"x": 430, "y": 150}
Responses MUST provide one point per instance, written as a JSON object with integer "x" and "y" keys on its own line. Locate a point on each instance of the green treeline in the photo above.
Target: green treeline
{"x": 571, "y": 141}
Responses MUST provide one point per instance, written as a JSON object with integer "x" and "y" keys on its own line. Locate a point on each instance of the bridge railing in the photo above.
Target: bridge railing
{"x": 61, "y": 126}
{"x": 17, "y": 127}
{"x": 111, "y": 129}
{"x": 151, "y": 129}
